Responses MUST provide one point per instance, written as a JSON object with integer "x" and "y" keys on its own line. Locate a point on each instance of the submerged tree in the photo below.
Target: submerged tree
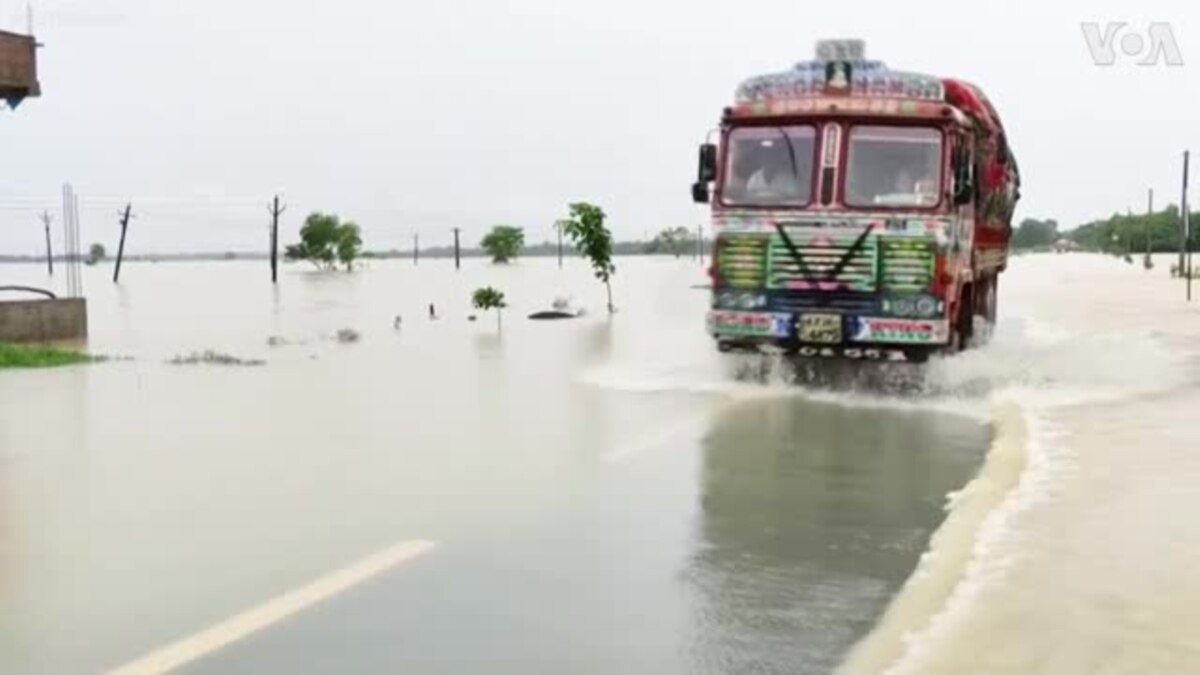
{"x": 96, "y": 254}
{"x": 504, "y": 243}
{"x": 586, "y": 229}
{"x": 349, "y": 244}
{"x": 675, "y": 241}
{"x": 489, "y": 298}
{"x": 1033, "y": 233}
{"x": 325, "y": 241}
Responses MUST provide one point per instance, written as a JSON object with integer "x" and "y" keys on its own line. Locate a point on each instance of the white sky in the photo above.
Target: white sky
{"x": 419, "y": 116}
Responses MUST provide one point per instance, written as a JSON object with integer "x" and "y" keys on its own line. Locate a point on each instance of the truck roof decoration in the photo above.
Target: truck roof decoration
{"x": 840, "y": 69}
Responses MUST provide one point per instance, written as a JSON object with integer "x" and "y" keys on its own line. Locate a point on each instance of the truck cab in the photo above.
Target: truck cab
{"x": 858, "y": 212}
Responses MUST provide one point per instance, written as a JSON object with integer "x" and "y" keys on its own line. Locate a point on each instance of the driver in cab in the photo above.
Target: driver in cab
{"x": 771, "y": 176}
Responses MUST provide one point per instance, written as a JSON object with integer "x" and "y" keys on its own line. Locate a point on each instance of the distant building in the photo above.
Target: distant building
{"x": 18, "y": 68}
{"x": 1065, "y": 246}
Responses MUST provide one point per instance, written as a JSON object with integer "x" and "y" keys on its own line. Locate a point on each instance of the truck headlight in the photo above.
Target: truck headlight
{"x": 751, "y": 301}
{"x": 743, "y": 301}
{"x": 927, "y": 307}
{"x": 903, "y": 307}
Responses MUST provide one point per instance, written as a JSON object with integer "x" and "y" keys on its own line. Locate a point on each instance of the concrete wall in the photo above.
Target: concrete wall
{"x": 43, "y": 320}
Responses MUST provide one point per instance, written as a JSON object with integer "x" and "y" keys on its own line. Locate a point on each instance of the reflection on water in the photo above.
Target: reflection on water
{"x": 597, "y": 341}
{"x": 811, "y": 517}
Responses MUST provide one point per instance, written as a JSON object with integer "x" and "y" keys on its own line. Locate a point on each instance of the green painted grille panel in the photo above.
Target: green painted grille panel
{"x": 821, "y": 255}
{"x": 907, "y": 265}
{"x": 741, "y": 261}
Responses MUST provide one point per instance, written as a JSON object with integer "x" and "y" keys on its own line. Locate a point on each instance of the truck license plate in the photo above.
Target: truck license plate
{"x": 821, "y": 328}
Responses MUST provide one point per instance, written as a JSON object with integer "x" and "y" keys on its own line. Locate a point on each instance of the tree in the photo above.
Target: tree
{"x": 586, "y": 229}
{"x": 325, "y": 240}
{"x": 489, "y": 298}
{"x": 1158, "y": 231}
{"x": 349, "y": 244}
{"x": 1033, "y": 233}
{"x": 675, "y": 240}
{"x": 96, "y": 254}
{"x": 504, "y": 243}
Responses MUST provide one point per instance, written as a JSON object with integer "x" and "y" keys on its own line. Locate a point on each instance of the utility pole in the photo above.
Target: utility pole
{"x": 1187, "y": 229}
{"x": 456, "y": 258}
{"x": 559, "y": 226}
{"x": 276, "y": 210}
{"x": 121, "y": 249}
{"x": 700, "y": 242}
{"x": 416, "y": 247}
{"x": 1183, "y": 221}
{"x": 1149, "y": 222}
{"x": 49, "y": 250}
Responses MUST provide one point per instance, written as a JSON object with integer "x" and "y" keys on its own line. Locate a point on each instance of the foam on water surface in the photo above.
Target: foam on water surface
{"x": 1035, "y": 371}
{"x": 1076, "y": 333}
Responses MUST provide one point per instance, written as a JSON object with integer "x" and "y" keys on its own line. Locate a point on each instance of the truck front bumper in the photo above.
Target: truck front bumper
{"x": 829, "y": 335}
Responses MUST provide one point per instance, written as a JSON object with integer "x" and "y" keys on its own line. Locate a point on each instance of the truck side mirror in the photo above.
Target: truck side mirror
{"x": 708, "y": 163}
{"x": 705, "y": 173}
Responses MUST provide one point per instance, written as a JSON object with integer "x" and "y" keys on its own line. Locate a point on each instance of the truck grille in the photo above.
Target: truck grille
{"x": 740, "y": 262}
{"x": 841, "y": 303}
{"x": 907, "y": 265}
{"x": 880, "y": 264}
{"x": 820, "y": 256}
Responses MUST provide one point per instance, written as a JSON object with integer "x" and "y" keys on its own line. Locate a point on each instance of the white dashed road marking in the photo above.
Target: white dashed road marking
{"x": 271, "y": 612}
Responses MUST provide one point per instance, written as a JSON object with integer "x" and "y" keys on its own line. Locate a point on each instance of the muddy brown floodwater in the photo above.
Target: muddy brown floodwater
{"x": 593, "y": 495}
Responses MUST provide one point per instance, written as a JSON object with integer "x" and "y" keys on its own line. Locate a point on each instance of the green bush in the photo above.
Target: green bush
{"x": 19, "y": 356}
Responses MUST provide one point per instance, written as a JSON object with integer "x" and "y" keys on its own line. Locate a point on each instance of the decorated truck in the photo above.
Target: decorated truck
{"x": 858, "y": 212}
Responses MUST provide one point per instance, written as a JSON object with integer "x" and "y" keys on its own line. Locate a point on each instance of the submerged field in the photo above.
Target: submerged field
{"x": 599, "y": 495}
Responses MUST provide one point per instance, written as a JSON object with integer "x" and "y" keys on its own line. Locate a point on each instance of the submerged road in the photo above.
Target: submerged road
{"x": 591, "y": 496}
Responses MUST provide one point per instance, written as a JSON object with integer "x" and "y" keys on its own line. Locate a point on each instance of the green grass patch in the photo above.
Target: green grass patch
{"x": 21, "y": 356}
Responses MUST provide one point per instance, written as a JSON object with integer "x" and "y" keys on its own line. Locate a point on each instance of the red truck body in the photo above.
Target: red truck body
{"x": 858, "y": 212}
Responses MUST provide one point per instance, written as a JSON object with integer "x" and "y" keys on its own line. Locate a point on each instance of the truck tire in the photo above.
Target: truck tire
{"x": 964, "y": 321}
{"x": 993, "y": 300}
{"x": 985, "y": 299}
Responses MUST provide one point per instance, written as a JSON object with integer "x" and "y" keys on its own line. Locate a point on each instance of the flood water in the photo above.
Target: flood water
{"x": 603, "y": 495}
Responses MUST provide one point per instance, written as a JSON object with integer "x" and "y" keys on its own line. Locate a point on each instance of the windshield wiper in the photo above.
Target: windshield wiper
{"x": 791, "y": 152}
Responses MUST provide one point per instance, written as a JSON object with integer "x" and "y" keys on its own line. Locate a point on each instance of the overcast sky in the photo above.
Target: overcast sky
{"x": 421, "y": 116}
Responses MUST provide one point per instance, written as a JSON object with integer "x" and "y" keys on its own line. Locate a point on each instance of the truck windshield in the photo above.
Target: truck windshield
{"x": 770, "y": 166}
{"x": 894, "y": 167}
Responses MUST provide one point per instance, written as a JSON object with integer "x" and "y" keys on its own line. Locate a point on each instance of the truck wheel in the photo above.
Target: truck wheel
{"x": 993, "y": 300}
{"x": 985, "y": 300}
{"x": 985, "y": 308}
{"x": 964, "y": 322}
